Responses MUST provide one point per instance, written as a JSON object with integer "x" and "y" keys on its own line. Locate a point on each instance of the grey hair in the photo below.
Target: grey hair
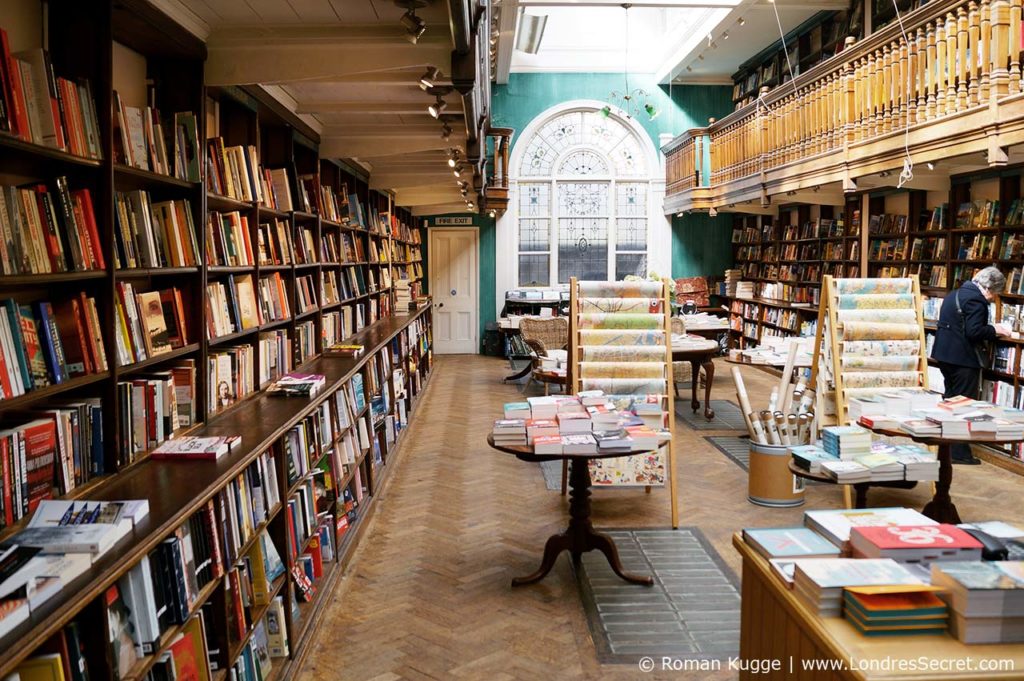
{"x": 991, "y": 279}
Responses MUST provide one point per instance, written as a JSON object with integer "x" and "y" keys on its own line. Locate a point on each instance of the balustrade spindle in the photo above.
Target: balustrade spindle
{"x": 921, "y": 70}
{"x": 885, "y": 89}
{"x": 901, "y": 84}
{"x": 950, "y": 66}
{"x": 931, "y": 70}
{"x": 1000, "y": 48}
{"x": 986, "y": 51}
{"x": 1015, "y": 27}
{"x": 961, "y": 58}
{"x": 940, "y": 67}
{"x": 974, "y": 37}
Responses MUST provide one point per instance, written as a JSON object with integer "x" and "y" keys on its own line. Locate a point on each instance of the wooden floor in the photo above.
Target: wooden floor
{"x": 427, "y": 595}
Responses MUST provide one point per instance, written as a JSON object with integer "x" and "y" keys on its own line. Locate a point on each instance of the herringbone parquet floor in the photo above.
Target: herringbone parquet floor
{"x": 427, "y": 595}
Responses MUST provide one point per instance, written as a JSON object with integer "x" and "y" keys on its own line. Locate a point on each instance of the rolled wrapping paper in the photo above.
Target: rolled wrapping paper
{"x": 610, "y": 337}
{"x": 877, "y": 301}
{"x": 626, "y": 386}
{"x": 610, "y": 305}
{"x": 881, "y": 348}
{"x": 881, "y": 316}
{"x": 768, "y": 422}
{"x": 864, "y": 287}
{"x": 753, "y": 422}
{"x": 882, "y": 379}
{"x": 622, "y": 369}
{"x": 893, "y": 363}
{"x": 773, "y": 400}
{"x": 783, "y": 426}
{"x": 805, "y": 404}
{"x": 795, "y": 437}
{"x": 803, "y": 428}
{"x": 873, "y": 331}
{"x": 621, "y": 289}
{"x": 622, "y": 353}
{"x": 870, "y": 392}
{"x": 625, "y": 320}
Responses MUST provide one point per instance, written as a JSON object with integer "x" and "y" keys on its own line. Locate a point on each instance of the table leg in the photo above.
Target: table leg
{"x": 709, "y": 378}
{"x": 861, "y": 488}
{"x": 580, "y": 536}
{"x": 695, "y": 374}
{"x": 941, "y": 508}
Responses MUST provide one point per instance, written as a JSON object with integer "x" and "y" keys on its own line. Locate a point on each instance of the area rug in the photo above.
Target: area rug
{"x": 692, "y": 611}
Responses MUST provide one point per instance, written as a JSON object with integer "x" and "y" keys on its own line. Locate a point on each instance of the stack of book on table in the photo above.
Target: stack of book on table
{"x": 987, "y": 599}
{"x": 895, "y": 611}
{"x": 782, "y": 546}
{"x": 509, "y": 432}
{"x": 846, "y": 442}
{"x": 885, "y": 462}
{"x": 959, "y": 417}
{"x": 914, "y": 543}
{"x": 836, "y": 524}
{"x": 820, "y": 581}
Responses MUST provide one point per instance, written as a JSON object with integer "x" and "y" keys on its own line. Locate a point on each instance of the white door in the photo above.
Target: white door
{"x": 453, "y": 284}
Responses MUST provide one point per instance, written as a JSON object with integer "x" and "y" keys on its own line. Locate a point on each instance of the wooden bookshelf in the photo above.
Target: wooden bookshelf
{"x": 131, "y": 47}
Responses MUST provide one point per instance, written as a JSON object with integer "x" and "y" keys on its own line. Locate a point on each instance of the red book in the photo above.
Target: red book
{"x": 7, "y": 481}
{"x": 40, "y": 455}
{"x": 92, "y": 336}
{"x": 83, "y": 196}
{"x": 917, "y": 537}
{"x": 19, "y": 112}
{"x": 313, "y": 551}
{"x": 5, "y": 380}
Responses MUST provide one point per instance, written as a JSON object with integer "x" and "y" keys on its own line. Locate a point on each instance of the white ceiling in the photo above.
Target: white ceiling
{"x": 347, "y": 68}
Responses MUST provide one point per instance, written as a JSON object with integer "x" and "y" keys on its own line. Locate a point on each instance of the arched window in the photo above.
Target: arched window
{"x": 583, "y": 190}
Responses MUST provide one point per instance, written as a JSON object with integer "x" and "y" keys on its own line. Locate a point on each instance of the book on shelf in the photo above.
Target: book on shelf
{"x": 305, "y": 293}
{"x": 282, "y": 190}
{"x": 297, "y": 385}
{"x": 273, "y": 298}
{"x": 149, "y": 324}
{"x": 189, "y": 447}
{"x": 48, "y": 229}
{"x": 231, "y": 376}
{"x": 148, "y": 234}
{"x": 275, "y": 248}
{"x": 142, "y": 140}
{"x": 228, "y": 241}
{"x": 46, "y": 109}
{"x": 234, "y": 172}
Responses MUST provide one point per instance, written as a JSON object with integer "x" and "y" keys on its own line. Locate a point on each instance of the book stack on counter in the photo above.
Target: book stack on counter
{"x": 883, "y": 611}
{"x": 987, "y": 599}
{"x": 885, "y": 462}
{"x": 297, "y": 385}
{"x": 881, "y": 466}
{"x": 510, "y": 432}
{"x": 914, "y": 543}
{"x": 59, "y": 543}
{"x": 846, "y": 472}
{"x": 893, "y": 403}
{"x": 343, "y": 350}
{"x": 820, "y": 581}
{"x": 544, "y": 436}
{"x": 836, "y": 524}
{"x": 961, "y": 418}
{"x": 782, "y": 546}
{"x": 811, "y": 457}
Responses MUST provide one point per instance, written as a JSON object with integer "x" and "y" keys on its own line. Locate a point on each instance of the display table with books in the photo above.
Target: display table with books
{"x": 860, "y": 489}
{"x": 778, "y": 626}
{"x": 700, "y": 353}
{"x": 580, "y": 535}
{"x": 941, "y": 508}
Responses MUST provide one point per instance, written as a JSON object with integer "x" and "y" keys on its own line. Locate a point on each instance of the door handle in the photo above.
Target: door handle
{"x": 440, "y": 305}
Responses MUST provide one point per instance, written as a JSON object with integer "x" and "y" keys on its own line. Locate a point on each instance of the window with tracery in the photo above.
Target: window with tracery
{"x": 582, "y": 200}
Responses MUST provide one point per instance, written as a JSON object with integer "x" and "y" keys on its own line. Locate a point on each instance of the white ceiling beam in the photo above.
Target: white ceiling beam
{"x": 390, "y": 129}
{"x": 397, "y": 179}
{"x": 442, "y": 208}
{"x": 686, "y": 4}
{"x": 273, "y": 55}
{"x": 427, "y": 198}
{"x": 374, "y": 107}
{"x": 374, "y": 146}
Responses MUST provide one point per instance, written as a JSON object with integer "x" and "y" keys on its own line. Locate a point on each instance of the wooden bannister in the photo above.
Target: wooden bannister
{"x": 867, "y": 93}
{"x": 496, "y": 177}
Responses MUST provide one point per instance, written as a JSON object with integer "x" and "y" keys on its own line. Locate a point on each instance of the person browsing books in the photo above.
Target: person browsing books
{"x": 963, "y": 331}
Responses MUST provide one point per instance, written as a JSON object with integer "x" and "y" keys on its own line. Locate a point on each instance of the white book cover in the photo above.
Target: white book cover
{"x": 838, "y": 522}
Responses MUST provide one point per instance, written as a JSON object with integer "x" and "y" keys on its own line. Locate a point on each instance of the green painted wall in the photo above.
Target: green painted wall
{"x": 485, "y": 226}
{"x": 700, "y": 245}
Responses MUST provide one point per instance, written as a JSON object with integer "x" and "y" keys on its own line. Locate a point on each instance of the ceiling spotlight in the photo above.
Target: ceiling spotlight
{"x": 413, "y": 25}
{"x": 457, "y": 170}
{"x": 446, "y": 131}
{"x": 931, "y": 166}
{"x": 725, "y": 36}
{"x": 700, "y": 56}
{"x": 453, "y": 157}
{"x": 742, "y": 22}
{"x": 437, "y": 107}
{"x": 492, "y": 213}
{"x": 689, "y": 68}
{"x": 429, "y": 79}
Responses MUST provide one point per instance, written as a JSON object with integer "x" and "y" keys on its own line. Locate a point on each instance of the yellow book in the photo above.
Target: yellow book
{"x": 258, "y": 573}
{"x": 42, "y": 668}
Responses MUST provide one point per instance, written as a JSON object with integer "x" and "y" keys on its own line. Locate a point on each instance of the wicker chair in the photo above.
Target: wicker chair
{"x": 681, "y": 371}
{"x": 543, "y": 335}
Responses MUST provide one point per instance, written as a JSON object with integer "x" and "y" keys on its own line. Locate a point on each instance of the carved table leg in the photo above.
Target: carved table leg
{"x": 695, "y": 383}
{"x": 941, "y": 508}
{"x": 580, "y": 537}
{"x": 709, "y": 378}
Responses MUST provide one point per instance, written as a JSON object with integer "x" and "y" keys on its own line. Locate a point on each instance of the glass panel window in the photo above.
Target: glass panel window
{"x": 631, "y": 217}
{"x": 630, "y": 263}
{"x": 534, "y": 269}
{"x": 582, "y": 230}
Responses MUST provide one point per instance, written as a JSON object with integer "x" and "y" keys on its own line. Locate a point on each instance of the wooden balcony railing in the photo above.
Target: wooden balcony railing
{"x": 496, "y": 178}
{"x": 686, "y": 159}
{"x": 958, "y": 56}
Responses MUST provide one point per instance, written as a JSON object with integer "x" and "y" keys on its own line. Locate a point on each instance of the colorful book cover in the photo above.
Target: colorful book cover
{"x": 789, "y": 542}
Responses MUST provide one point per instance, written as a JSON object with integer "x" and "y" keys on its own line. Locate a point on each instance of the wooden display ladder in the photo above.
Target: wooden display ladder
{"x": 574, "y": 382}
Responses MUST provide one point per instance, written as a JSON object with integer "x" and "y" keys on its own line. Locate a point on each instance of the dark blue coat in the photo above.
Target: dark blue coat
{"x": 953, "y": 346}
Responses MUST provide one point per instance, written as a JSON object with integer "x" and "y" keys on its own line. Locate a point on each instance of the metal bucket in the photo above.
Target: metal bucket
{"x": 770, "y": 482}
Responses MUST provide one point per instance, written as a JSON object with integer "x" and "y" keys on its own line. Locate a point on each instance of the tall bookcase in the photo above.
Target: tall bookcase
{"x": 130, "y": 47}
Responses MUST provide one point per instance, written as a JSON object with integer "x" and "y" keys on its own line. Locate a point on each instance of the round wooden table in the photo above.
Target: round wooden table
{"x": 860, "y": 488}
{"x": 550, "y": 378}
{"x": 700, "y": 353}
{"x": 941, "y": 508}
{"x": 580, "y": 536}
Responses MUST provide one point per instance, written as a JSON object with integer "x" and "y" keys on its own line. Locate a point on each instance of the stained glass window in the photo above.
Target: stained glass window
{"x": 576, "y": 218}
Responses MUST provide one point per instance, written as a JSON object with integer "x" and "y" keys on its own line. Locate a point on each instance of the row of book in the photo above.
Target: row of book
{"x": 148, "y": 234}
{"x": 232, "y": 305}
{"x": 235, "y": 172}
{"x": 228, "y": 242}
{"x": 42, "y": 344}
{"x": 142, "y": 141}
{"x": 40, "y": 107}
{"x": 47, "y": 230}
{"x": 149, "y": 324}
{"x": 957, "y": 417}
